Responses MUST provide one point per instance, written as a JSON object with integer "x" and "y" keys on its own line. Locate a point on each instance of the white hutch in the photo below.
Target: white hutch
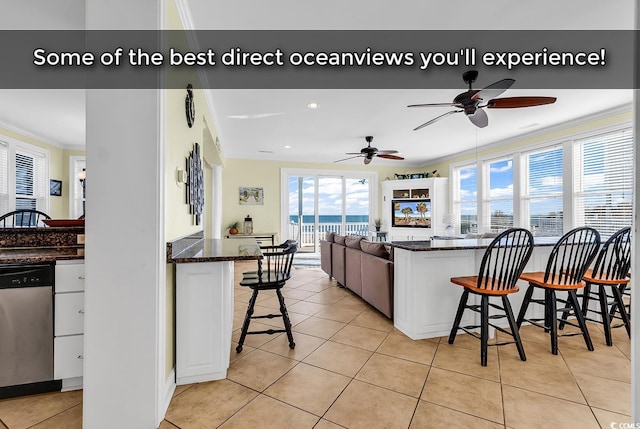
{"x": 414, "y": 209}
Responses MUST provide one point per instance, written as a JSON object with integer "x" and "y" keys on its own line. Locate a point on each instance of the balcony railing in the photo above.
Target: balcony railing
{"x": 310, "y": 235}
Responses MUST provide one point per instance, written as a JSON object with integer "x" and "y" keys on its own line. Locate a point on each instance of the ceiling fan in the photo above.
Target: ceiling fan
{"x": 473, "y": 101}
{"x": 369, "y": 152}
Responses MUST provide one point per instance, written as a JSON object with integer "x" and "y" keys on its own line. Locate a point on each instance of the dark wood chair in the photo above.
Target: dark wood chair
{"x": 501, "y": 266}
{"x": 23, "y": 218}
{"x": 273, "y": 272}
{"x": 609, "y": 274}
{"x": 567, "y": 264}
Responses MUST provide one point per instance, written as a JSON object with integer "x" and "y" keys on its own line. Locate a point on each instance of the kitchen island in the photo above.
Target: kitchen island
{"x": 204, "y": 304}
{"x": 425, "y": 301}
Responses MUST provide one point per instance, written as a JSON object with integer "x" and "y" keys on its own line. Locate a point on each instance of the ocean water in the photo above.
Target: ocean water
{"x": 330, "y": 218}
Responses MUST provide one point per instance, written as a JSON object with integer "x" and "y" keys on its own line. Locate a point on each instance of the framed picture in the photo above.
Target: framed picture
{"x": 251, "y": 196}
{"x": 55, "y": 188}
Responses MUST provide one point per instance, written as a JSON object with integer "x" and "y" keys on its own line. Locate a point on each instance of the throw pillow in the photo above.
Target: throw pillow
{"x": 339, "y": 239}
{"x": 376, "y": 249}
{"x": 329, "y": 236}
{"x": 353, "y": 242}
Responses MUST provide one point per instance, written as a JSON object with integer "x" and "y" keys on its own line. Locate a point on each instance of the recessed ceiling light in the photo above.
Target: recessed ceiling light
{"x": 287, "y": 147}
{"x": 313, "y": 105}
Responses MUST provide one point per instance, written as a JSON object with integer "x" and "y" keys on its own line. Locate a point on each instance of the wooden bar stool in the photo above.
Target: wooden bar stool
{"x": 272, "y": 274}
{"x": 609, "y": 272}
{"x": 569, "y": 260}
{"x": 502, "y": 263}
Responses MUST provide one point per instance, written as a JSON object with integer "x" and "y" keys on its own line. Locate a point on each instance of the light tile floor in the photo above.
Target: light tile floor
{"x": 352, "y": 369}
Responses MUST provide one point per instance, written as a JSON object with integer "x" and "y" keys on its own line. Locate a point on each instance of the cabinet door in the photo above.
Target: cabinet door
{"x": 68, "y": 356}
{"x": 69, "y": 314}
{"x": 69, "y": 277}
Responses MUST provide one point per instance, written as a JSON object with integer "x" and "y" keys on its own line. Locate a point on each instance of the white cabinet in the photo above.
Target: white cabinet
{"x": 68, "y": 342}
{"x": 414, "y": 209}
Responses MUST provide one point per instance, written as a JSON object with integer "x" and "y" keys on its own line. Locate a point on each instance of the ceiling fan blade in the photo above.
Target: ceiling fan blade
{"x": 435, "y": 105}
{"x": 479, "y": 119}
{"x": 515, "y": 102}
{"x": 388, "y": 156}
{"x": 436, "y": 119}
{"x": 493, "y": 90}
{"x": 367, "y": 160}
{"x": 344, "y": 159}
{"x": 387, "y": 151}
{"x": 353, "y": 153}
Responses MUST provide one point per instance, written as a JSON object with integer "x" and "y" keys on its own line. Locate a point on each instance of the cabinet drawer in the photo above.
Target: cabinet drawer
{"x": 69, "y": 277}
{"x": 69, "y": 313}
{"x": 68, "y": 355}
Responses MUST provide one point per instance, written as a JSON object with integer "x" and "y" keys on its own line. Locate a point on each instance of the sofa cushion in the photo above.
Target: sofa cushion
{"x": 339, "y": 239}
{"x": 375, "y": 249}
{"x": 329, "y": 236}
{"x": 353, "y": 242}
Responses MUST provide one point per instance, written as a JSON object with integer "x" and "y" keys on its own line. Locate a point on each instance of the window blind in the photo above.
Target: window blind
{"x": 76, "y": 189}
{"x": 603, "y": 181}
{"x": 542, "y": 201}
{"x": 32, "y": 188}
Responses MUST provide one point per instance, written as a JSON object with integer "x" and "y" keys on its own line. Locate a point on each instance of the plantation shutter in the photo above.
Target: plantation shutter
{"x": 603, "y": 181}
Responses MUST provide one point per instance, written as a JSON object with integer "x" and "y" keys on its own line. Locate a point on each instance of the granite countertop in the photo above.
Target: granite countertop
{"x": 21, "y": 255}
{"x": 479, "y": 243}
{"x": 218, "y": 250}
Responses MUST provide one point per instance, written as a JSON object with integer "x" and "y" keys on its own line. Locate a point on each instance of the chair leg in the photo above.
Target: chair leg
{"x": 514, "y": 327}
{"x": 456, "y": 323}
{"x": 552, "y": 312}
{"x": 285, "y": 319}
{"x": 583, "y": 324}
{"x": 484, "y": 329}
{"x": 247, "y": 320}
{"x": 604, "y": 314}
{"x": 525, "y": 305}
{"x": 619, "y": 301}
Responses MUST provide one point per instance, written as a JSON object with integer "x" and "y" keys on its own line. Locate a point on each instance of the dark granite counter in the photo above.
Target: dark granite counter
{"x": 464, "y": 244}
{"x": 217, "y": 250}
{"x": 32, "y": 255}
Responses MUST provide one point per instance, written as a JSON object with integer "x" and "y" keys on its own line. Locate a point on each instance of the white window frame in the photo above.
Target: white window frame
{"x": 570, "y": 219}
{"x": 15, "y": 146}
{"x": 76, "y": 164}
{"x": 485, "y": 204}
{"x": 456, "y": 200}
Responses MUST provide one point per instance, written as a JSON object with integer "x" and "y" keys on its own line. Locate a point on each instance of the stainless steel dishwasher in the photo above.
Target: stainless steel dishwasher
{"x": 26, "y": 329}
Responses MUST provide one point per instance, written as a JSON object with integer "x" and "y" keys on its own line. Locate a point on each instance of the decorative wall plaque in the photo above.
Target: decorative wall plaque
{"x": 195, "y": 184}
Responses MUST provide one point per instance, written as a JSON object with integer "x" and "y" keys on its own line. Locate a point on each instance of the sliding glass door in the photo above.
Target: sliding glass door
{"x": 319, "y": 203}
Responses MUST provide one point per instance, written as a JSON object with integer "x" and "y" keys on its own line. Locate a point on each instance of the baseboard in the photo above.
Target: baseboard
{"x": 169, "y": 389}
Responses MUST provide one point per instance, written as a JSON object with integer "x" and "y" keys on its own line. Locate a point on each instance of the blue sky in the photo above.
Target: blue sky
{"x": 330, "y": 196}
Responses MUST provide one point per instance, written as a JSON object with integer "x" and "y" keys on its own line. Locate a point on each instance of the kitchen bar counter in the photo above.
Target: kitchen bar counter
{"x": 204, "y": 303}
{"x": 459, "y": 244}
{"x": 217, "y": 250}
{"x": 425, "y": 300}
{"x": 32, "y": 255}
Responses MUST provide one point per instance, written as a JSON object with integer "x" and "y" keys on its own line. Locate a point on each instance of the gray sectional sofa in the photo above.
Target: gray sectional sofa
{"x": 364, "y": 267}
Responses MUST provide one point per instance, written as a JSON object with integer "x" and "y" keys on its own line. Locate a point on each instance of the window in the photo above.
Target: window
{"x": 77, "y": 165}
{"x": 24, "y": 177}
{"x": 542, "y": 208}
{"x": 465, "y": 198}
{"x": 498, "y": 201}
{"x": 603, "y": 181}
{"x": 550, "y": 187}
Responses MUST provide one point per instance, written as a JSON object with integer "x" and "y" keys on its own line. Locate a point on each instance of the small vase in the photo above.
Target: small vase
{"x": 377, "y": 228}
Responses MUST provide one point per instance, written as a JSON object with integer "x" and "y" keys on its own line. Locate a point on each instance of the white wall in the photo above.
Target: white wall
{"x": 124, "y": 371}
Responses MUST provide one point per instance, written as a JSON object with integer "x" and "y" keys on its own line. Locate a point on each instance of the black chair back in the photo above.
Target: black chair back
{"x": 614, "y": 259}
{"x": 23, "y": 218}
{"x": 277, "y": 262}
{"x": 571, "y": 256}
{"x": 505, "y": 259}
